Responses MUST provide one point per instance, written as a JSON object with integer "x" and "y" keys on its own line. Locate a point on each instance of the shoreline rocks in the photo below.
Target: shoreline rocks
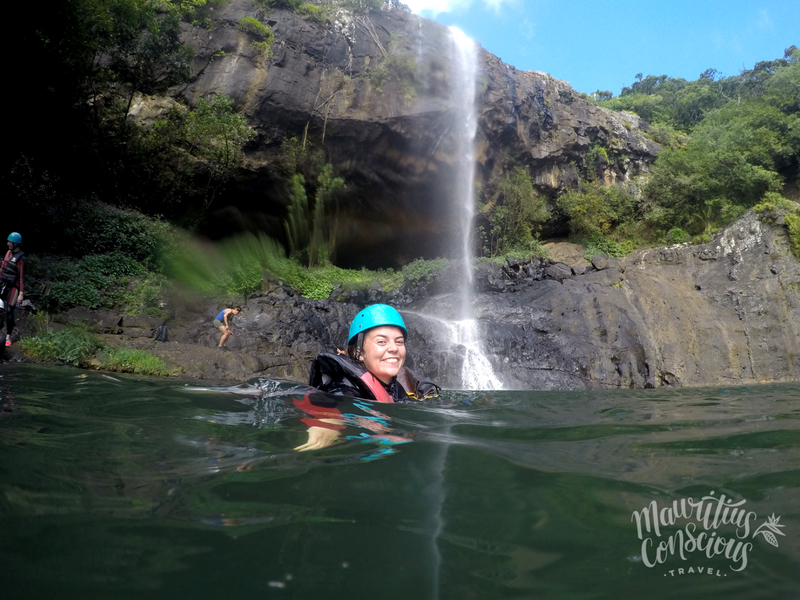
{"x": 717, "y": 314}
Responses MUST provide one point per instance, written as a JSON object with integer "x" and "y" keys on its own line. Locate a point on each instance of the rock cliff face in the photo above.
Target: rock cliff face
{"x": 377, "y": 94}
{"x": 723, "y": 313}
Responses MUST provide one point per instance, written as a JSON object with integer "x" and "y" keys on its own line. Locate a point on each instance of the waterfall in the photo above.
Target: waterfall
{"x": 477, "y": 371}
{"x": 464, "y": 125}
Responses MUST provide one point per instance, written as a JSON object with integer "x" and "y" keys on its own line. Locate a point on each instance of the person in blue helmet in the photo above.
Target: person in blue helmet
{"x": 373, "y": 368}
{"x": 12, "y": 281}
{"x": 374, "y": 365}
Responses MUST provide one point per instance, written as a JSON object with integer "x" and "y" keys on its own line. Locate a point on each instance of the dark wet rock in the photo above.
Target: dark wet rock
{"x": 99, "y": 321}
{"x": 600, "y": 262}
{"x": 559, "y": 271}
{"x": 391, "y": 138}
{"x": 489, "y": 278}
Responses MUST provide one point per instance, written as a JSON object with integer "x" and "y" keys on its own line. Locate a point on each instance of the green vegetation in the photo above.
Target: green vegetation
{"x": 109, "y": 257}
{"x": 71, "y": 345}
{"x": 321, "y": 13}
{"x": 263, "y": 35}
{"x": 602, "y": 219}
{"x": 318, "y": 13}
{"x": 792, "y": 222}
{"x": 78, "y": 347}
{"x": 98, "y": 59}
{"x": 398, "y": 68}
{"x": 197, "y": 12}
{"x": 127, "y": 360}
{"x": 728, "y": 144}
{"x": 241, "y": 265}
{"x": 535, "y": 249}
{"x": 514, "y": 218}
{"x": 595, "y": 209}
{"x": 310, "y": 231}
{"x": 775, "y": 206}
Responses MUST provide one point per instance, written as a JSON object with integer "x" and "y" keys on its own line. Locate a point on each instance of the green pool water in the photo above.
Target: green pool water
{"x": 119, "y": 487}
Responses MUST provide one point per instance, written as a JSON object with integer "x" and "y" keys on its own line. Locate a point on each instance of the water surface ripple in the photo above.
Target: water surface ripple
{"x": 123, "y": 487}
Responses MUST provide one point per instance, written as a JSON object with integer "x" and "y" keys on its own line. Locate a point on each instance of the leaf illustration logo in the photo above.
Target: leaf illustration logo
{"x": 769, "y": 528}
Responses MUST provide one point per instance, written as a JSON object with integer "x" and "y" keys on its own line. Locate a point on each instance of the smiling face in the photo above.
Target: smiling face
{"x": 384, "y": 352}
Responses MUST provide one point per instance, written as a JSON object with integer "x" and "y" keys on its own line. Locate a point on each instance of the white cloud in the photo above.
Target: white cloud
{"x": 436, "y": 7}
{"x": 764, "y": 21}
{"x": 528, "y": 29}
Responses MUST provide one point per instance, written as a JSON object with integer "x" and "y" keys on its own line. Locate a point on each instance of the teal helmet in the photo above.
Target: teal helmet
{"x": 15, "y": 238}
{"x": 376, "y": 315}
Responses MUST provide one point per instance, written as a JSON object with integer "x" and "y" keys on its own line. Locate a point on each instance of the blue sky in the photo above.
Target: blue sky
{"x": 603, "y": 45}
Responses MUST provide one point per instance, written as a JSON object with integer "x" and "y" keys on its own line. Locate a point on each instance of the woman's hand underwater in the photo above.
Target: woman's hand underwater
{"x": 319, "y": 437}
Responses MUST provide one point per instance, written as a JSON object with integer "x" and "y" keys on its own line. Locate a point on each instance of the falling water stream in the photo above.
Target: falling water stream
{"x": 477, "y": 372}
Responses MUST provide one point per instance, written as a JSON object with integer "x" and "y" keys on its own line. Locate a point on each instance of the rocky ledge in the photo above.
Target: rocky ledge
{"x": 722, "y": 313}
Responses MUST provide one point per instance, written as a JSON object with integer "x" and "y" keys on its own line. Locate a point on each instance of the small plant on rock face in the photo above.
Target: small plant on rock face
{"x": 263, "y": 35}
{"x": 792, "y": 222}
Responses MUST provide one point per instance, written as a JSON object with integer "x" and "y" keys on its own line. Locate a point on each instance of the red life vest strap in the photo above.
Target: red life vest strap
{"x": 376, "y": 387}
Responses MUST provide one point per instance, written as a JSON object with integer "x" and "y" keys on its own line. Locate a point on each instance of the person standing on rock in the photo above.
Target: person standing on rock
{"x": 12, "y": 286}
{"x": 222, "y": 322}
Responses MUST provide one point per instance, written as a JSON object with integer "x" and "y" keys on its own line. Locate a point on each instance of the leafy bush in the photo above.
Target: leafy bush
{"x": 598, "y": 244}
{"x": 597, "y": 153}
{"x": 75, "y": 345}
{"x": 79, "y": 228}
{"x": 318, "y": 14}
{"x": 314, "y": 12}
{"x": 93, "y": 281}
{"x": 676, "y": 235}
{"x": 71, "y": 345}
{"x": 421, "y": 269}
{"x": 594, "y": 210}
{"x": 144, "y": 295}
{"x": 515, "y": 217}
{"x": 773, "y": 201}
{"x": 666, "y": 135}
{"x": 731, "y": 160}
{"x": 128, "y": 360}
{"x": 198, "y": 12}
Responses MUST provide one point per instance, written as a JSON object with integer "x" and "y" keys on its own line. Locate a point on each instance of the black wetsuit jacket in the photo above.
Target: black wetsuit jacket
{"x": 11, "y": 272}
{"x": 339, "y": 374}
